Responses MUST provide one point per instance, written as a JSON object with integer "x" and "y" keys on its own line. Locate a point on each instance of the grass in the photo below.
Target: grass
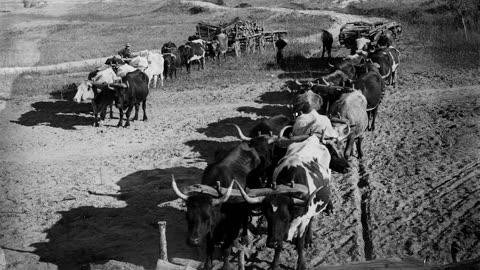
{"x": 433, "y": 23}
{"x": 96, "y": 30}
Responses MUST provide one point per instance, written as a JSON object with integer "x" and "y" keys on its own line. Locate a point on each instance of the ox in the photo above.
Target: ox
{"x": 327, "y": 42}
{"x": 306, "y": 164}
{"x": 168, "y": 47}
{"x": 269, "y": 156}
{"x": 351, "y": 109}
{"x": 132, "y": 91}
{"x": 214, "y": 220}
{"x": 362, "y": 46}
{"x": 372, "y": 86}
{"x": 173, "y": 61}
{"x": 349, "y": 65}
{"x": 218, "y": 47}
{"x": 193, "y": 51}
{"x": 154, "y": 68}
{"x": 86, "y": 91}
{"x": 388, "y": 61}
{"x": 311, "y": 122}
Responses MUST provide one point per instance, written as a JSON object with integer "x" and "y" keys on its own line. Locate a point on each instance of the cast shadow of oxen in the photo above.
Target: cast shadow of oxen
{"x": 61, "y": 112}
{"x": 90, "y": 234}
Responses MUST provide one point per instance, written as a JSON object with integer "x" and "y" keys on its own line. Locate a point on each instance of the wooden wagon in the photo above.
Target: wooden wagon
{"x": 243, "y": 36}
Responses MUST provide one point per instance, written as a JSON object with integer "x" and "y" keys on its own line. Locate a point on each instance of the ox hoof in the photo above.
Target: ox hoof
{"x": 145, "y": 119}
{"x": 96, "y": 124}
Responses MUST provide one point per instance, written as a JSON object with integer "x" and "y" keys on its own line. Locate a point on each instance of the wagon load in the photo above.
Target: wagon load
{"x": 243, "y": 35}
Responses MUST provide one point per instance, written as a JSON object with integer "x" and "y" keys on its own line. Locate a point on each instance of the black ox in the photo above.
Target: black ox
{"x": 210, "y": 217}
{"x": 128, "y": 94}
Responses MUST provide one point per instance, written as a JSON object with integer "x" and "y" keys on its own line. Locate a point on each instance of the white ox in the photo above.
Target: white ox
{"x": 154, "y": 67}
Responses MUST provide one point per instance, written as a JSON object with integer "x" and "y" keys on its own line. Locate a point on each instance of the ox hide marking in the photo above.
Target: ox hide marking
{"x": 394, "y": 62}
{"x": 196, "y": 57}
{"x": 274, "y": 208}
{"x": 301, "y": 157}
{"x": 319, "y": 203}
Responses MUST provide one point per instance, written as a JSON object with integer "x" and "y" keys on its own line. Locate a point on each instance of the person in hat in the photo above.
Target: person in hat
{"x": 126, "y": 52}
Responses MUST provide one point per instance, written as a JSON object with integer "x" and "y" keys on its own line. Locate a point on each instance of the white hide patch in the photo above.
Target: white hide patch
{"x": 299, "y": 224}
{"x": 313, "y": 122}
{"x": 274, "y": 208}
{"x": 302, "y": 153}
{"x": 196, "y": 57}
{"x": 395, "y": 63}
{"x": 124, "y": 69}
{"x": 299, "y": 155}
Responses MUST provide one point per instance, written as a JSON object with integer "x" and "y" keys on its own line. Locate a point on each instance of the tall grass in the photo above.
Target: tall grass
{"x": 433, "y": 24}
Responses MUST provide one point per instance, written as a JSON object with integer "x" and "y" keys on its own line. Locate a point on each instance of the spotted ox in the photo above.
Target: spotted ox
{"x": 216, "y": 221}
{"x": 87, "y": 92}
{"x": 306, "y": 163}
{"x": 168, "y": 47}
{"x": 388, "y": 61}
{"x": 193, "y": 51}
{"x": 395, "y": 57}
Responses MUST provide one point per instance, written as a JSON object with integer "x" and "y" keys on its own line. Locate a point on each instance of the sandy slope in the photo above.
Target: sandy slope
{"x": 72, "y": 194}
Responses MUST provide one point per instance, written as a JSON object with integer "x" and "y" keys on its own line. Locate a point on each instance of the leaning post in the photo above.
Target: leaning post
{"x": 163, "y": 240}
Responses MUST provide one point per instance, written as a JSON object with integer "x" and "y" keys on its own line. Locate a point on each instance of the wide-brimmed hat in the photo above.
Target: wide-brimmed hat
{"x": 127, "y": 45}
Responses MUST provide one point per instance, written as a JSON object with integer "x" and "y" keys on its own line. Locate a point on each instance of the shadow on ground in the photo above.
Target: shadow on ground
{"x": 88, "y": 234}
{"x": 59, "y": 114}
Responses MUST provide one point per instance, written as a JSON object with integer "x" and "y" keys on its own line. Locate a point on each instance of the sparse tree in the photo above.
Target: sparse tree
{"x": 467, "y": 9}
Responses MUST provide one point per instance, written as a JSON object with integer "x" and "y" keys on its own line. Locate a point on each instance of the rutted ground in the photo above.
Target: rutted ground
{"x": 73, "y": 194}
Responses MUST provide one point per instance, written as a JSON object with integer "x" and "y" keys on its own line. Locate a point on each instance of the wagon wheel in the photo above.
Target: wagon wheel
{"x": 236, "y": 47}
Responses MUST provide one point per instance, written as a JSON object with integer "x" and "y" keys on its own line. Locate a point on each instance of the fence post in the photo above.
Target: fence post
{"x": 163, "y": 240}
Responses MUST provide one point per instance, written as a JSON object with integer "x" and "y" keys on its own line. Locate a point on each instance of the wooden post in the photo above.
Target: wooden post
{"x": 163, "y": 240}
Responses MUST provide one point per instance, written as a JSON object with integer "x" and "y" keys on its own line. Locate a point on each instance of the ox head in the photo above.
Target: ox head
{"x": 306, "y": 102}
{"x": 84, "y": 92}
{"x": 281, "y": 207}
{"x": 203, "y": 209}
{"x": 337, "y": 147}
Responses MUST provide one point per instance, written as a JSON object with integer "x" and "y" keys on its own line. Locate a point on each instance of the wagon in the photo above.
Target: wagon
{"x": 349, "y": 32}
{"x": 243, "y": 36}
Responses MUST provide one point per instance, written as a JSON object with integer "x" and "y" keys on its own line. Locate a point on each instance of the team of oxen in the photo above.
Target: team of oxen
{"x": 126, "y": 82}
{"x": 283, "y": 167}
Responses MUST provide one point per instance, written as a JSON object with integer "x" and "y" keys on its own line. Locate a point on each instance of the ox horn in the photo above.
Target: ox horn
{"x": 330, "y": 65}
{"x": 226, "y": 196}
{"x": 248, "y": 199}
{"x": 240, "y": 133}
{"x": 177, "y": 191}
{"x": 111, "y": 88}
{"x": 283, "y": 130}
{"x": 310, "y": 198}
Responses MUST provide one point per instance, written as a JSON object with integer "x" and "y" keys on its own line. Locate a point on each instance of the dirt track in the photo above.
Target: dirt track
{"x": 415, "y": 192}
